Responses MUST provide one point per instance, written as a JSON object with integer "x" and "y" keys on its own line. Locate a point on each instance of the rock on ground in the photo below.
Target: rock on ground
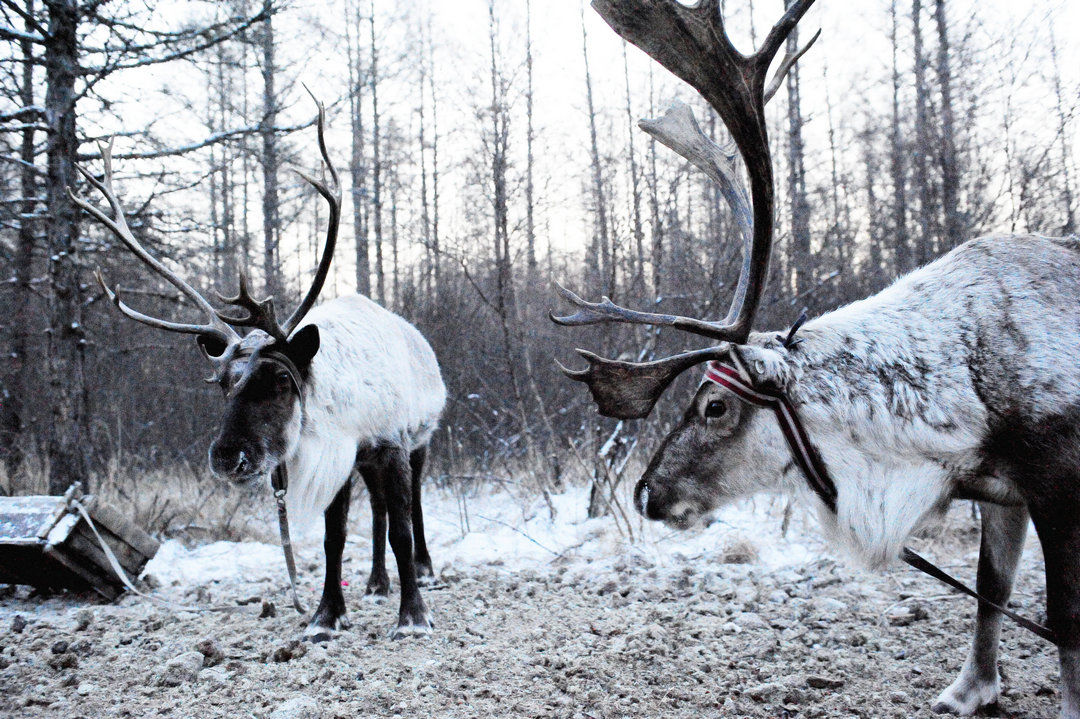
{"x": 691, "y": 638}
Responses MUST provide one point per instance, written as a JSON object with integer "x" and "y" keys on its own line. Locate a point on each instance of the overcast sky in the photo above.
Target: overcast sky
{"x": 1009, "y": 38}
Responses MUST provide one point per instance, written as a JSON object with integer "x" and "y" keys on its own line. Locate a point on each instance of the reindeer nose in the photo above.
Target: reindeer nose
{"x": 229, "y": 461}
{"x": 646, "y": 501}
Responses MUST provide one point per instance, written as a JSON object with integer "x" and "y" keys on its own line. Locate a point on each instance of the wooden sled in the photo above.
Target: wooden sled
{"x": 45, "y": 542}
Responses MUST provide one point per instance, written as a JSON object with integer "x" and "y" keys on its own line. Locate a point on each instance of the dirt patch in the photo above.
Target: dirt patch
{"x": 693, "y": 638}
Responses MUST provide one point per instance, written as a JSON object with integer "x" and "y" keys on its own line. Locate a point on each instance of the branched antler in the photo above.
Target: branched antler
{"x": 118, "y": 225}
{"x": 259, "y": 315}
{"x": 217, "y": 332}
{"x": 691, "y": 41}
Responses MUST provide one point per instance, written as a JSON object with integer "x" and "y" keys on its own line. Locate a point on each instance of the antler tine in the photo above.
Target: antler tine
{"x": 790, "y": 58}
{"x": 591, "y": 313}
{"x": 119, "y": 227}
{"x": 333, "y": 199}
{"x": 691, "y": 42}
{"x": 260, "y": 313}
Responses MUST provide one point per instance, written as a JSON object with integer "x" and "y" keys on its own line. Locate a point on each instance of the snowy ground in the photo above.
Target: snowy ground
{"x": 536, "y": 617}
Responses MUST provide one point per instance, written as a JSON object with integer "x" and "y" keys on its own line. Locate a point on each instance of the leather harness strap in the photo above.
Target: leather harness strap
{"x": 738, "y": 380}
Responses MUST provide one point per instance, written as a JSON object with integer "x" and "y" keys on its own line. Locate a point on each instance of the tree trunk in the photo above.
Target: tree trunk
{"x": 436, "y": 250}
{"x": 635, "y": 188}
{"x": 376, "y": 169}
{"x": 425, "y": 213}
{"x": 800, "y": 208}
{"x": 12, "y": 419}
{"x": 654, "y": 205}
{"x": 600, "y": 260}
{"x": 897, "y": 170}
{"x": 357, "y": 161}
{"x": 925, "y": 248}
{"x": 68, "y": 430}
{"x": 1069, "y": 226}
{"x": 950, "y": 174}
{"x": 530, "y": 225}
{"x": 270, "y": 162}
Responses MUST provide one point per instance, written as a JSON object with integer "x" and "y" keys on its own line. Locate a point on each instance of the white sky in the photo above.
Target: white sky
{"x": 854, "y": 50}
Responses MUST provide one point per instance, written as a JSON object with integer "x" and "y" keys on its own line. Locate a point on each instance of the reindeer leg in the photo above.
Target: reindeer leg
{"x": 397, "y": 483}
{"x": 330, "y": 614}
{"x": 1003, "y": 533}
{"x": 1055, "y": 519}
{"x": 425, "y": 573}
{"x": 378, "y": 584}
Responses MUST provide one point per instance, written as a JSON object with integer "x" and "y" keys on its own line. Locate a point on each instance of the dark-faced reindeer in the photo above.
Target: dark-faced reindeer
{"x": 344, "y": 385}
{"x": 958, "y": 381}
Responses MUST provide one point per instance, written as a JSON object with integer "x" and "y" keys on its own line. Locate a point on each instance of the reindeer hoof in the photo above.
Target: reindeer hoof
{"x": 418, "y": 625}
{"x": 323, "y": 627}
{"x": 966, "y": 695}
{"x": 378, "y": 589}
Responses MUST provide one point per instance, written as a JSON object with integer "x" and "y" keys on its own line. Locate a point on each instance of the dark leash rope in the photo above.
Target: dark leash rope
{"x": 737, "y": 379}
{"x": 279, "y": 480}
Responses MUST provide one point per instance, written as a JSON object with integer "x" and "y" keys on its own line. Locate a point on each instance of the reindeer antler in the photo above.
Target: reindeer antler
{"x": 258, "y": 314}
{"x": 118, "y": 225}
{"x": 691, "y": 42}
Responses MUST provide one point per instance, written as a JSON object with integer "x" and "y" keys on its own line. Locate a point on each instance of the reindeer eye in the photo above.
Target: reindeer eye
{"x": 716, "y": 409}
{"x": 282, "y": 380}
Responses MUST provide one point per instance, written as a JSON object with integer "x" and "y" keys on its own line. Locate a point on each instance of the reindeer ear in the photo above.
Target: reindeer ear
{"x": 303, "y": 346}
{"x": 767, "y": 367}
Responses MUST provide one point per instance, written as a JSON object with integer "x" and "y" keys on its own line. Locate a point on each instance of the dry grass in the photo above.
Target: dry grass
{"x": 179, "y": 501}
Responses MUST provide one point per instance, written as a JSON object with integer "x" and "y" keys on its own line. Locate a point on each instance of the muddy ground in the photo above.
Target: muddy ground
{"x": 695, "y": 637}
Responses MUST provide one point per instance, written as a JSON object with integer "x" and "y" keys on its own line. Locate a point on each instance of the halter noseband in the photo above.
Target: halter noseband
{"x": 806, "y": 457}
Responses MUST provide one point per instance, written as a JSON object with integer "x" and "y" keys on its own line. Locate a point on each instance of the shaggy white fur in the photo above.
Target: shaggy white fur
{"x": 897, "y": 390}
{"x": 374, "y": 380}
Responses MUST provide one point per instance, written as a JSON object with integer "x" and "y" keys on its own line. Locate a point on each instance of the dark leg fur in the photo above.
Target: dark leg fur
{"x": 330, "y": 614}
{"x": 1059, "y": 535}
{"x": 397, "y": 483}
{"x": 1003, "y": 533}
{"x": 425, "y": 573}
{"x": 378, "y": 585}
{"x": 1042, "y": 456}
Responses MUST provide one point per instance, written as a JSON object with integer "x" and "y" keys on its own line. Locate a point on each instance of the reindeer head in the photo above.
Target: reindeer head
{"x": 722, "y": 448}
{"x": 261, "y": 373}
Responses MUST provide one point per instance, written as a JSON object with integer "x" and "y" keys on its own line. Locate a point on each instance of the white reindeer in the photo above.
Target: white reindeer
{"x": 345, "y": 385}
{"x": 959, "y": 381}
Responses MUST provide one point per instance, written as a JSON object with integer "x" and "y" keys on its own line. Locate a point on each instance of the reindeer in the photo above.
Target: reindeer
{"x": 957, "y": 382}
{"x": 344, "y": 385}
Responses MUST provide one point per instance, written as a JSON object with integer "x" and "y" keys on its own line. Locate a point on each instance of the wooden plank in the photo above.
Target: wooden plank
{"x": 124, "y": 529}
{"x": 96, "y": 582}
{"x": 26, "y": 518}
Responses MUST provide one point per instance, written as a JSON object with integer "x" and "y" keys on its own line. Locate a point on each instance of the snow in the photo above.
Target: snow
{"x": 217, "y": 562}
{"x": 495, "y": 528}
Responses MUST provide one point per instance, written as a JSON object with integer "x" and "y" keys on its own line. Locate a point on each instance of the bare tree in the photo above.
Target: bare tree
{"x": 268, "y": 130}
{"x": 376, "y": 164}
{"x": 950, "y": 174}
{"x": 923, "y": 144}
{"x": 800, "y": 207}
{"x": 358, "y": 159}
{"x": 897, "y": 166}
{"x": 599, "y": 258}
